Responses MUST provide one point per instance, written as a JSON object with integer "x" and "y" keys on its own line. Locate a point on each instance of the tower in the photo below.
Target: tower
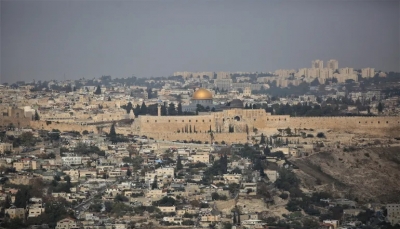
{"x": 317, "y": 64}
{"x": 159, "y": 109}
{"x": 333, "y": 64}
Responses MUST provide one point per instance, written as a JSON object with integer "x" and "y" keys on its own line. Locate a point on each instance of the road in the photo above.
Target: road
{"x": 86, "y": 203}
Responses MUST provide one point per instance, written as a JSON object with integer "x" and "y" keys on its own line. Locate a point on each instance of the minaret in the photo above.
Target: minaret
{"x": 159, "y": 109}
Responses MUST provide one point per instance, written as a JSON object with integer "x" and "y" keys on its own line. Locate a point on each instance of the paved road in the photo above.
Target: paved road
{"x": 86, "y": 203}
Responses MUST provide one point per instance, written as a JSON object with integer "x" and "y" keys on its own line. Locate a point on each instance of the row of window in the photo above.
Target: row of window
{"x": 378, "y": 122}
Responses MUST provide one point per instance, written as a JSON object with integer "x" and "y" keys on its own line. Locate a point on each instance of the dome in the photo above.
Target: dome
{"x": 202, "y": 94}
{"x": 236, "y": 103}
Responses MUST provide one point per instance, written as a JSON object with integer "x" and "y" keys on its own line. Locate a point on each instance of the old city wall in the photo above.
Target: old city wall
{"x": 203, "y": 137}
{"x": 352, "y": 124}
{"x": 14, "y": 117}
{"x": 175, "y": 124}
{"x": 43, "y": 125}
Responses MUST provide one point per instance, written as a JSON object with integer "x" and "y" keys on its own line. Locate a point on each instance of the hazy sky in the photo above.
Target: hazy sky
{"x": 44, "y": 40}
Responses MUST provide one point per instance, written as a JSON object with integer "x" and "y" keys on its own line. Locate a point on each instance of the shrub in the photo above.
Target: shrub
{"x": 321, "y": 135}
{"x": 284, "y": 196}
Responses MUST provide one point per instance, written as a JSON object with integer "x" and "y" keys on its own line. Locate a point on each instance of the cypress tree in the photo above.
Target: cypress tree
{"x": 37, "y": 117}
{"x": 112, "y": 133}
{"x": 179, "y": 165}
{"x": 137, "y": 110}
{"x": 180, "y": 109}
{"x": 262, "y": 140}
{"x": 98, "y": 90}
{"x": 143, "y": 109}
{"x": 129, "y": 107}
{"x": 154, "y": 185}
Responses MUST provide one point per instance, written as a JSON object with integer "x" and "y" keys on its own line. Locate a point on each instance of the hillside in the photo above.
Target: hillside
{"x": 365, "y": 174}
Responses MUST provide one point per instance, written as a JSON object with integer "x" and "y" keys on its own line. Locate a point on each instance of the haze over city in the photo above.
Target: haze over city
{"x": 45, "y": 40}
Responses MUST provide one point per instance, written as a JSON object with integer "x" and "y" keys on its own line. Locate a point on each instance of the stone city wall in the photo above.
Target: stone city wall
{"x": 339, "y": 123}
{"x": 175, "y": 124}
{"x": 45, "y": 125}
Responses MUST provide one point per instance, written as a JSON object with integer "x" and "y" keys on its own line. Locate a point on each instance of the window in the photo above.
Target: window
{"x": 387, "y": 121}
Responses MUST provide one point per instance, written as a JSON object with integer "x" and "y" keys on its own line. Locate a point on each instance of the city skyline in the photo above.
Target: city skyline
{"x": 47, "y": 40}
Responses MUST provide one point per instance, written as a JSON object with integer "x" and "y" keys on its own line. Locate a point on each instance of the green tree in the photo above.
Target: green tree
{"x": 129, "y": 107}
{"x": 37, "y": 117}
{"x": 171, "y": 109}
{"x": 98, "y": 90}
{"x": 154, "y": 185}
{"x": 136, "y": 111}
{"x": 143, "y": 109}
{"x": 180, "y": 109}
{"x": 179, "y": 165}
{"x": 67, "y": 179}
{"x": 380, "y": 107}
{"x": 128, "y": 173}
{"x": 112, "y": 133}
{"x": 57, "y": 178}
{"x": 310, "y": 224}
{"x": 164, "y": 109}
{"x": 22, "y": 197}
{"x": 262, "y": 140}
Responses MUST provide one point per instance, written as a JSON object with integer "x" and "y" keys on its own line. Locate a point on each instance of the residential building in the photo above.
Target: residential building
{"x": 317, "y": 64}
{"x": 393, "y": 213}
{"x": 68, "y": 223}
{"x": 367, "y": 72}
{"x": 201, "y": 157}
{"x": 71, "y": 160}
{"x": 332, "y": 64}
{"x": 223, "y": 83}
{"x": 167, "y": 209}
{"x": 25, "y": 164}
{"x": 5, "y": 147}
{"x": 15, "y": 212}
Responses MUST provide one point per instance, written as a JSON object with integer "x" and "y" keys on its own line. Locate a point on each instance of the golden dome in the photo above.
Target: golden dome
{"x": 202, "y": 94}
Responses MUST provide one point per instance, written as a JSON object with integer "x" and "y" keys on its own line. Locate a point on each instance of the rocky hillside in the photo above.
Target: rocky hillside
{"x": 366, "y": 174}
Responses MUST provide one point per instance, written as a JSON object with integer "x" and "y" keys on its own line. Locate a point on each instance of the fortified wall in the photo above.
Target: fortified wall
{"x": 14, "y": 117}
{"x": 174, "y": 124}
{"x": 242, "y": 122}
{"x": 45, "y": 125}
{"x": 351, "y": 124}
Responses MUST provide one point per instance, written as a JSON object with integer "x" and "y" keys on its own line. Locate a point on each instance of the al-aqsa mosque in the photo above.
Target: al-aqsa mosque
{"x": 201, "y": 97}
